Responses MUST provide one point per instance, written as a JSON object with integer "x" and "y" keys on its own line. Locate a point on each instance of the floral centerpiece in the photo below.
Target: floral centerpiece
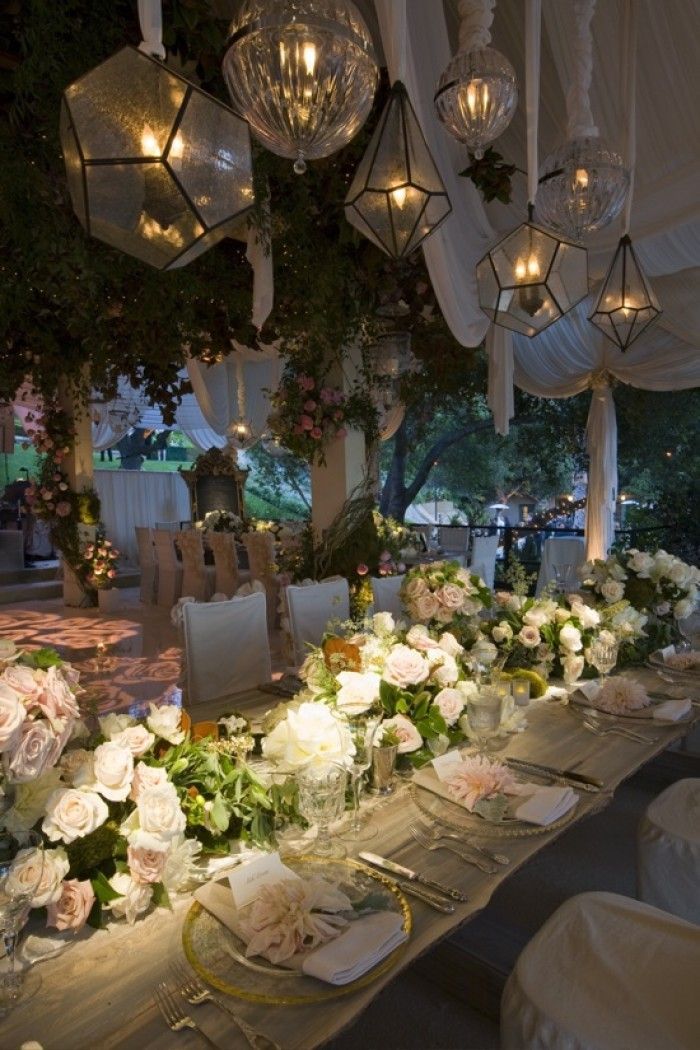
{"x": 307, "y": 415}
{"x": 659, "y": 585}
{"x": 418, "y": 679}
{"x": 126, "y": 812}
{"x": 222, "y": 521}
{"x": 101, "y": 563}
{"x": 443, "y": 593}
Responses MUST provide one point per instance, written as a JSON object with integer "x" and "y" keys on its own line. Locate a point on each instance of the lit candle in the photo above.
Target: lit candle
{"x": 309, "y": 53}
{"x": 521, "y": 691}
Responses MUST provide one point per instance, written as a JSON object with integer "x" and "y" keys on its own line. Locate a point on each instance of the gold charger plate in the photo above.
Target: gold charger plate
{"x": 458, "y": 818}
{"x": 205, "y": 941}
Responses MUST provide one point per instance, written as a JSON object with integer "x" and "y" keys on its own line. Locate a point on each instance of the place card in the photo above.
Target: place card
{"x": 447, "y": 765}
{"x": 247, "y": 879}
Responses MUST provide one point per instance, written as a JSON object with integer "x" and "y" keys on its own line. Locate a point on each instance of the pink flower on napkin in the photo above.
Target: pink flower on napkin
{"x": 620, "y": 695}
{"x": 293, "y": 916}
{"x": 479, "y": 778}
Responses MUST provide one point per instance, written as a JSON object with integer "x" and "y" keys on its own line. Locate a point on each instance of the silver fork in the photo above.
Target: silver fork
{"x": 600, "y": 730}
{"x": 192, "y": 989}
{"x": 430, "y": 844}
{"x": 440, "y": 833}
{"x": 174, "y": 1016}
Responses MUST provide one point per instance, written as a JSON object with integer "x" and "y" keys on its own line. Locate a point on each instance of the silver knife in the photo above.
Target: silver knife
{"x": 412, "y": 876}
{"x": 587, "y": 783}
{"x": 421, "y": 894}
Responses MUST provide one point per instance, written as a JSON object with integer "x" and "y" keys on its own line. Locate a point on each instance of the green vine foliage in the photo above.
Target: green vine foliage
{"x": 68, "y": 301}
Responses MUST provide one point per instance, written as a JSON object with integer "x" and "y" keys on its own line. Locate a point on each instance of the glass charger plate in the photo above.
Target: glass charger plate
{"x": 456, "y": 817}
{"x": 217, "y": 954}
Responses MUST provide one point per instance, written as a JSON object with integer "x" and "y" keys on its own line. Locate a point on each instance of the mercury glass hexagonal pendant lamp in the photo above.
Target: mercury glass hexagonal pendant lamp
{"x": 397, "y": 197}
{"x": 531, "y": 278}
{"x": 156, "y": 167}
{"x": 626, "y": 304}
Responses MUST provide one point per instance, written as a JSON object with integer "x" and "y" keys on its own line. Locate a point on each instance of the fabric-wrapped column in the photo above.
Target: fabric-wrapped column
{"x": 601, "y": 442}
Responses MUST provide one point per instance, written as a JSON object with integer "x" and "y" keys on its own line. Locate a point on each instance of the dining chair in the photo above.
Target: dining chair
{"x": 483, "y": 559}
{"x": 223, "y": 547}
{"x": 558, "y": 552}
{"x": 668, "y": 851}
{"x": 386, "y": 595}
{"x": 454, "y": 541}
{"x": 311, "y": 609}
{"x": 197, "y": 577}
{"x": 147, "y": 564}
{"x": 260, "y": 548}
{"x": 605, "y": 971}
{"x": 169, "y": 568}
{"x": 226, "y": 647}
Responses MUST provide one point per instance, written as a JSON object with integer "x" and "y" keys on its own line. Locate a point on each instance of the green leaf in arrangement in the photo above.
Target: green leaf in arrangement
{"x": 220, "y": 812}
{"x": 103, "y": 891}
{"x": 160, "y": 896}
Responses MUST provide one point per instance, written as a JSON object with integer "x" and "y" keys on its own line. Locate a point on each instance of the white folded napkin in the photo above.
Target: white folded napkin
{"x": 672, "y": 710}
{"x": 546, "y": 804}
{"x": 363, "y": 944}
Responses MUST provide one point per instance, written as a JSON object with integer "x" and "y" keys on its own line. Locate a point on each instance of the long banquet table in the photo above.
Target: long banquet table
{"x": 98, "y": 993}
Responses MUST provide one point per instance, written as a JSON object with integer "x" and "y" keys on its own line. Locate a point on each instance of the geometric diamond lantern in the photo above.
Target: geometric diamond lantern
{"x": 531, "y": 278}
{"x": 626, "y": 305}
{"x": 397, "y": 197}
{"x": 156, "y": 167}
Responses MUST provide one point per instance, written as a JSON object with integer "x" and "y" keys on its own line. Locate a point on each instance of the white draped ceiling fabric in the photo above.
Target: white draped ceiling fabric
{"x": 238, "y": 387}
{"x": 571, "y": 355}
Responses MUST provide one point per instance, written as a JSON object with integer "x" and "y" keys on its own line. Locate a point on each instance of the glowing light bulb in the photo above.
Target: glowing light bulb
{"x": 309, "y": 53}
{"x": 283, "y": 54}
{"x": 399, "y": 196}
{"x": 477, "y": 96}
{"x": 177, "y": 149}
{"x": 533, "y": 267}
{"x": 520, "y": 270}
{"x": 581, "y": 179}
{"x": 149, "y": 143}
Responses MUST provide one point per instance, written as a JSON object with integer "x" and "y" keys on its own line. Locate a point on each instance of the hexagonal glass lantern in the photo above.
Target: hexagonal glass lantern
{"x": 397, "y": 197}
{"x": 531, "y": 278}
{"x": 156, "y": 167}
{"x": 626, "y": 304}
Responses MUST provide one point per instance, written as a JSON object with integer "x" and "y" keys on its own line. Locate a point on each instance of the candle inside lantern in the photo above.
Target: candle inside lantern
{"x": 521, "y": 691}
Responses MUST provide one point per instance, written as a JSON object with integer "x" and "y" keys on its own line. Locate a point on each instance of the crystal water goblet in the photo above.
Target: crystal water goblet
{"x": 565, "y": 577}
{"x": 321, "y": 802}
{"x": 363, "y": 728}
{"x": 21, "y": 871}
{"x": 484, "y": 716}
{"x": 603, "y": 656}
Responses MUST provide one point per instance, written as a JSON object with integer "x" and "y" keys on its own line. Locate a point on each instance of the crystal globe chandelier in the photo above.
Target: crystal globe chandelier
{"x": 583, "y": 185}
{"x": 303, "y": 73}
{"x": 477, "y": 94}
{"x": 155, "y": 166}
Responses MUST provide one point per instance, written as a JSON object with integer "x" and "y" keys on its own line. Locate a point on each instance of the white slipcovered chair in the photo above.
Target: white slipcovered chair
{"x": 310, "y": 610}
{"x": 197, "y": 576}
{"x": 560, "y": 551}
{"x": 226, "y": 647}
{"x": 223, "y": 547}
{"x": 454, "y": 541}
{"x": 147, "y": 564}
{"x": 483, "y": 561}
{"x": 386, "y": 597}
{"x": 668, "y": 852}
{"x": 605, "y": 973}
{"x": 169, "y": 568}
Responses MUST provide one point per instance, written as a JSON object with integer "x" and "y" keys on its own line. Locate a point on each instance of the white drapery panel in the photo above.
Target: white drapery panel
{"x": 601, "y": 444}
{"x": 134, "y": 497}
{"x": 217, "y": 390}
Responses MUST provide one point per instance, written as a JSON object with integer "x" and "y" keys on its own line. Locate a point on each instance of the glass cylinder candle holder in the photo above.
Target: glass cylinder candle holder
{"x": 521, "y": 691}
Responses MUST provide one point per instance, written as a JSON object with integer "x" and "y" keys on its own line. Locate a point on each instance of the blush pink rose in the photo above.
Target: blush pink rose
{"x": 24, "y": 682}
{"x": 72, "y": 908}
{"x": 405, "y": 667}
{"x": 12, "y": 716}
{"x": 450, "y": 704}
{"x": 32, "y": 755}
{"x": 425, "y": 607}
{"x": 414, "y": 588}
{"x": 146, "y": 777}
{"x": 451, "y": 596}
{"x": 147, "y": 856}
{"x": 57, "y": 701}
{"x": 136, "y": 739}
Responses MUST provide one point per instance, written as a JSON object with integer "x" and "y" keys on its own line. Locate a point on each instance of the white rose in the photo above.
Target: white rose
{"x": 683, "y": 609}
{"x": 662, "y": 609}
{"x": 536, "y": 617}
{"x": 383, "y": 623}
{"x": 71, "y": 814}
{"x": 529, "y": 637}
{"x": 12, "y": 715}
{"x": 450, "y": 704}
{"x": 34, "y": 751}
{"x": 612, "y": 591}
{"x": 135, "y": 897}
{"x": 8, "y": 650}
{"x": 449, "y": 644}
{"x": 586, "y": 614}
{"x": 419, "y": 638}
{"x": 112, "y": 724}
{"x": 145, "y": 777}
{"x": 159, "y": 811}
{"x": 562, "y": 615}
{"x": 573, "y": 668}
{"x": 310, "y": 736}
{"x": 181, "y": 868}
{"x": 409, "y": 737}
{"x": 358, "y": 691}
{"x": 24, "y": 681}
{"x": 513, "y": 602}
{"x": 640, "y": 562}
{"x": 485, "y": 651}
{"x": 447, "y": 673}
{"x": 425, "y": 607}
{"x": 136, "y": 739}
{"x": 502, "y": 632}
{"x": 570, "y": 638}
{"x": 23, "y": 874}
{"x": 112, "y": 771}
{"x": 468, "y": 690}
{"x": 29, "y": 803}
{"x": 679, "y": 573}
{"x": 405, "y": 667}
{"x": 164, "y": 721}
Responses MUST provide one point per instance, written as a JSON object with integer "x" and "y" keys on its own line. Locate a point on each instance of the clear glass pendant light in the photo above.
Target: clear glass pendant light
{"x": 583, "y": 185}
{"x": 477, "y": 97}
